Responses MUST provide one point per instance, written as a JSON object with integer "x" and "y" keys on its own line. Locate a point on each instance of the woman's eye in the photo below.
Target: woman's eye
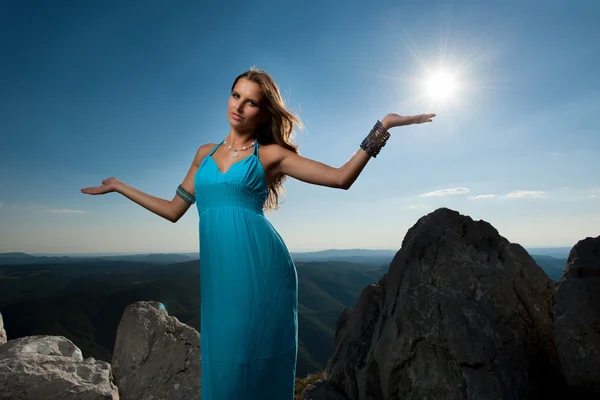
{"x": 235, "y": 95}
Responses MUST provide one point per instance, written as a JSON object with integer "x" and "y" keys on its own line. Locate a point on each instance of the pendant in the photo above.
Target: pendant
{"x": 234, "y": 154}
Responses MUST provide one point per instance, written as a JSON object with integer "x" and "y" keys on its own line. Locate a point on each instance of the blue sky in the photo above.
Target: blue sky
{"x": 131, "y": 89}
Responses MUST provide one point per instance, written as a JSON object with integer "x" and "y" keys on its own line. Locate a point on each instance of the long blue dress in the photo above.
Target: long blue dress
{"x": 248, "y": 285}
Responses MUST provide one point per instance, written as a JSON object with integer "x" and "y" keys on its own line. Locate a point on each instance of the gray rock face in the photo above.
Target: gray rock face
{"x": 321, "y": 390}
{"x": 461, "y": 314}
{"x": 156, "y": 356}
{"x": 577, "y": 317}
{"x": 52, "y": 367}
{"x": 2, "y": 331}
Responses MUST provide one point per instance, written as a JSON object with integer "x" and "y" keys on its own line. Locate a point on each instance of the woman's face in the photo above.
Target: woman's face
{"x": 244, "y": 108}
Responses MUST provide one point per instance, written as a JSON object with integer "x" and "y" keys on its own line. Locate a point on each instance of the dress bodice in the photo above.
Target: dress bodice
{"x": 243, "y": 185}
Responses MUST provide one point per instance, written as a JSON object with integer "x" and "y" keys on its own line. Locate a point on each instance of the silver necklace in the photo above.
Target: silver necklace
{"x": 234, "y": 152}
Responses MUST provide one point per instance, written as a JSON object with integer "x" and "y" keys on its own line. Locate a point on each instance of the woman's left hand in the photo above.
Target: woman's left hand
{"x": 393, "y": 120}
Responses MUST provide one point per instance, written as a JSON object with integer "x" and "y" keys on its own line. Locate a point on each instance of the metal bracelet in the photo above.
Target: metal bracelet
{"x": 185, "y": 195}
{"x": 376, "y": 139}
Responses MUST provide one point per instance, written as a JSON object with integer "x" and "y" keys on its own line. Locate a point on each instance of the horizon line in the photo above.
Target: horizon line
{"x": 196, "y": 251}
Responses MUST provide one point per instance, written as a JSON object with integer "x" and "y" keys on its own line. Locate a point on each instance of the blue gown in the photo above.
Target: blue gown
{"x": 248, "y": 287}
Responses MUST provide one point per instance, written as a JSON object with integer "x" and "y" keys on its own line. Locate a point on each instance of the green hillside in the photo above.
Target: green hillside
{"x": 85, "y": 301}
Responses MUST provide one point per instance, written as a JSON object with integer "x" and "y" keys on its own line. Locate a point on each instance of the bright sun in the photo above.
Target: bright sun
{"x": 441, "y": 85}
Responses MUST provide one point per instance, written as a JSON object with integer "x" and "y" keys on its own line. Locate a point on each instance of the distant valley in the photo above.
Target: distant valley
{"x": 83, "y": 297}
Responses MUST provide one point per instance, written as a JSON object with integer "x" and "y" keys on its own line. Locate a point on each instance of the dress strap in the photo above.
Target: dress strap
{"x": 256, "y": 148}
{"x": 215, "y": 148}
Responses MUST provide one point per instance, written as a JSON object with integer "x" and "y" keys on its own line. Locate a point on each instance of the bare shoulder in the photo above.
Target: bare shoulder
{"x": 273, "y": 153}
{"x": 206, "y": 148}
{"x": 203, "y": 152}
{"x": 272, "y": 156}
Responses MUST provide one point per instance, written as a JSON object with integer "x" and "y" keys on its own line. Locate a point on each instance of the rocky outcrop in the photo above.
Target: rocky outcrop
{"x": 461, "y": 314}
{"x": 577, "y": 317}
{"x": 2, "y": 331}
{"x": 155, "y": 355}
{"x": 52, "y": 367}
{"x": 321, "y": 390}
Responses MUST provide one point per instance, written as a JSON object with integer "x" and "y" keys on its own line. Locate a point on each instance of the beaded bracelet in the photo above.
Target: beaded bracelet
{"x": 185, "y": 195}
{"x": 376, "y": 139}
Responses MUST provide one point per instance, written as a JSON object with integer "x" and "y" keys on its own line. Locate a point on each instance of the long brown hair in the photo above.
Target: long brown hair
{"x": 279, "y": 128}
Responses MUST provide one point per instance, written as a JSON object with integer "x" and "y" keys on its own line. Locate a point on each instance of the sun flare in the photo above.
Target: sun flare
{"x": 441, "y": 85}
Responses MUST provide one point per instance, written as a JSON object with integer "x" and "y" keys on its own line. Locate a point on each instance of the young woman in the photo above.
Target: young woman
{"x": 248, "y": 281}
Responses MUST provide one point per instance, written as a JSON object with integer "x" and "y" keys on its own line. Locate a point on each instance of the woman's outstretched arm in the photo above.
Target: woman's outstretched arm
{"x": 317, "y": 173}
{"x": 171, "y": 210}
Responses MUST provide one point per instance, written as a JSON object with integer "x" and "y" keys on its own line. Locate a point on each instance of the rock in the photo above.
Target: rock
{"x": 52, "y": 367}
{"x": 462, "y": 313}
{"x": 321, "y": 390}
{"x": 577, "y": 317}
{"x": 2, "y": 331}
{"x": 340, "y": 323}
{"x": 155, "y": 355}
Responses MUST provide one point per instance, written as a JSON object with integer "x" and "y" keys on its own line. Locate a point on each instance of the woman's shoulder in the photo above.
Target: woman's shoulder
{"x": 207, "y": 147}
{"x": 203, "y": 151}
{"x": 272, "y": 151}
{"x": 269, "y": 147}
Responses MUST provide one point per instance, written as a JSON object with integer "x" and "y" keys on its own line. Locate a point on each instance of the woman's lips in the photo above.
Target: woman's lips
{"x": 237, "y": 117}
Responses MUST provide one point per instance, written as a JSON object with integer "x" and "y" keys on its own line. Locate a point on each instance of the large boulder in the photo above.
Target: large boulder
{"x": 156, "y": 356}
{"x": 462, "y": 313}
{"x": 52, "y": 367}
{"x": 577, "y": 317}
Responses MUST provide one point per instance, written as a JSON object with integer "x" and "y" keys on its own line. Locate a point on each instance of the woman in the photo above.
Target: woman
{"x": 249, "y": 325}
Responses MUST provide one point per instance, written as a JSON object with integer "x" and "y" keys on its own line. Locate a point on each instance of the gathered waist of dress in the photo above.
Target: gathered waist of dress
{"x": 228, "y": 195}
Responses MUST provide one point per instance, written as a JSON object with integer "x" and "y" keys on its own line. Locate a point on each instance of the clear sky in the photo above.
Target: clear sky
{"x": 93, "y": 89}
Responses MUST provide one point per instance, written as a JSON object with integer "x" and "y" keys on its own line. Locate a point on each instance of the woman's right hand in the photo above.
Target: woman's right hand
{"x": 109, "y": 185}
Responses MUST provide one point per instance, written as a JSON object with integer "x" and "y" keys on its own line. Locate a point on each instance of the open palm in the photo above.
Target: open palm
{"x": 108, "y": 185}
{"x": 401, "y": 120}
